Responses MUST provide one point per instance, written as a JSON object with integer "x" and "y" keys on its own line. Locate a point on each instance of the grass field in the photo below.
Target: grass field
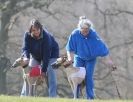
{"x": 43, "y": 99}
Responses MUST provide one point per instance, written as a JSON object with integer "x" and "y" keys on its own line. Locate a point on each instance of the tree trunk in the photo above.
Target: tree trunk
{"x": 6, "y": 14}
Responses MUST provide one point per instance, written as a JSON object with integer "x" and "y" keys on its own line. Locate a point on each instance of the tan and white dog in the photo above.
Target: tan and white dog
{"x": 75, "y": 75}
{"x": 31, "y": 83}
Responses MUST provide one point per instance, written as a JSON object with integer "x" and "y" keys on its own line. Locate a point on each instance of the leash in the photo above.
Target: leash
{"x": 116, "y": 86}
{"x": 118, "y": 92}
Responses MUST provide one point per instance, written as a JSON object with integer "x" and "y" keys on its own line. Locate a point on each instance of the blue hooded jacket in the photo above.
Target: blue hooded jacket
{"x": 88, "y": 47}
{"x": 41, "y": 49}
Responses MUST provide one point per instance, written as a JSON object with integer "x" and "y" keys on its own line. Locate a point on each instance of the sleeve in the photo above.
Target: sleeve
{"x": 98, "y": 46}
{"x": 46, "y": 51}
{"x": 25, "y": 46}
{"x": 104, "y": 49}
{"x": 71, "y": 46}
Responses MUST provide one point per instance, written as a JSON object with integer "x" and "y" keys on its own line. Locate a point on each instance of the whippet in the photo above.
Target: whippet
{"x": 75, "y": 75}
{"x": 30, "y": 82}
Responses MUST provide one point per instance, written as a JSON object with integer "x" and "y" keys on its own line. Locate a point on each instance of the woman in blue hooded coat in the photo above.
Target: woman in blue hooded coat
{"x": 83, "y": 47}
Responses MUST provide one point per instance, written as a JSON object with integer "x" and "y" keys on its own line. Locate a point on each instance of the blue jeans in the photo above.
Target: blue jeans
{"x": 89, "y": 66}
{"x": 52, "y": 81}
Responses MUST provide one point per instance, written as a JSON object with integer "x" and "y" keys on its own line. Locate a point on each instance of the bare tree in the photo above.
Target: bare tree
{"x": 8, "y": 8}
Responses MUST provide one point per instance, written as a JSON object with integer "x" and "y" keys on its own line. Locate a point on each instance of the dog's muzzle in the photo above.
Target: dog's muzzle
{"x": 14, "y": 65}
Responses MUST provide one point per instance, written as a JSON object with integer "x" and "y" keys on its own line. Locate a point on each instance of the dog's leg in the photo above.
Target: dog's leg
{"x": 24, "y": 89}
{"x": 26, "y": 83}
{"x": 29, "y": 85}
{"x": 74, "y": 85}
{"x": 71, "y": 84}
{"x": 75, "y": 90}
{"x": 35, "y": 90}
{"x": 34, "y": 85}
{"x": 30, "y": 89}
{"x": 82, "y": 87}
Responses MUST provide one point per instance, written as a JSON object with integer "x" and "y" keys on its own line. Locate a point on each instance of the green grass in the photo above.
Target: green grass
{"x": 44, "y": 99}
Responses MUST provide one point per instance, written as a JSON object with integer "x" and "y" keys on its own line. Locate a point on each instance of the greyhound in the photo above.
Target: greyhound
{"x": 75, "y": 75}
{"x": 30, "y": 83}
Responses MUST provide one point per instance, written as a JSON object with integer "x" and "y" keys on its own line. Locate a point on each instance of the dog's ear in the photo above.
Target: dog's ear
{"x": 55, "y": 65}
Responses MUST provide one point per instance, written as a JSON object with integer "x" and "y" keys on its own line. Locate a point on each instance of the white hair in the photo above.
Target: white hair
{"x": 83, "y": 21}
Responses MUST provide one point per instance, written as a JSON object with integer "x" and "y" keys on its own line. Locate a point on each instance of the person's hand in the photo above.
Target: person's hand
{"x": 112, "y": 65}
{"x": 114, "y": 68}
{"x": 70, "y": 61}
{"x": 67, "y": 63}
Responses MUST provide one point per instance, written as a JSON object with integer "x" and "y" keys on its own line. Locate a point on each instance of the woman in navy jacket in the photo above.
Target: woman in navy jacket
{"x": 40, "y": 48}
{"x": 83, "y": 47}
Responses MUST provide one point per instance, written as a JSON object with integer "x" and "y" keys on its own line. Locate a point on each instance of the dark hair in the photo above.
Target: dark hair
{"x": 36, "y": 24}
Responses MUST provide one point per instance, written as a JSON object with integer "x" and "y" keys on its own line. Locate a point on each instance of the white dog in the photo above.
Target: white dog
{"x": 75, "y": 75}
{"x": 31, "y": 83}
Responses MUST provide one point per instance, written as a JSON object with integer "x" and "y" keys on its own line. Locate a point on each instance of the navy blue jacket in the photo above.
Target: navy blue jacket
{"x": 41, "y": 49}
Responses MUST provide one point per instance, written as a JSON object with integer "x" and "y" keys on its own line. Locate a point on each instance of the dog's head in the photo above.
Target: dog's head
{"x": 19, "y": 62}
{"x": 59, "y": 62}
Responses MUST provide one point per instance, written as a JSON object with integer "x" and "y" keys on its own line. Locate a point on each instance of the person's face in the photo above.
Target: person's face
{"x": 85, "y": 30}
{"x": 36, "y": 32}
